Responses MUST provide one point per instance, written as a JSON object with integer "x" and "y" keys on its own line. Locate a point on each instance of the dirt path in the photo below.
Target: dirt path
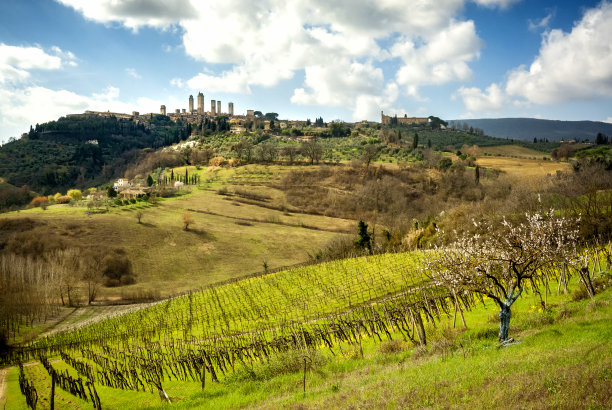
{"x": 3, "y": 374}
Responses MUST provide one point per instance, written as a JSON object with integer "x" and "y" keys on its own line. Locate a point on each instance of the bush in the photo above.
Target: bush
{"x": 117, "y": 269}
{"x": 64, "y": 199}
{"x": 39, "y": 201}
{"x": 133, "y": 200}
{"x": 118, "y": 202}
{"x": 76, "y": 194}
{"x": 126, "y": 202}
{"x": 217, "y": 162}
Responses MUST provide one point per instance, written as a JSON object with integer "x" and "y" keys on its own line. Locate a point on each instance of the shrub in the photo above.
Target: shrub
{"x": 217, "y": 162}
{"x": 40, "y": 201}
{"x": 117, "y": 268}
{"x": 126, "y": 202}
{"x": 118, "y": 202}
{"x": 392, "y": 346}
{"x": 133, "y": 200}
{"x": 64, "y": 199}
{"x": 76, "y": 194}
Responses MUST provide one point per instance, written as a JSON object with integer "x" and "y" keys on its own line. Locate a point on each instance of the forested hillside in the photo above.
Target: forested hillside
{"x": 82, "y": 151}
{"x": 527, "y": 129}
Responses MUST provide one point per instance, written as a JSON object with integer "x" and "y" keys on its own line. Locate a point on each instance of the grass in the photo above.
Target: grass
{"x": 523, "y": 167}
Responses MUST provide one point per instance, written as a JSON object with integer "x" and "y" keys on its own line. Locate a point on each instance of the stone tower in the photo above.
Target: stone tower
{"x": 200, "y": 103}
{"x": 162, "y": 110}
{"x": 191, "y": 103}
{"x": 213, "y": 108}
{"x": 218, "y": 107}
{"x": 230, "y": 108}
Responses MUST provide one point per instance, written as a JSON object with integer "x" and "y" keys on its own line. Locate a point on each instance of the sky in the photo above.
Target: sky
{"x": 341, "y": 60}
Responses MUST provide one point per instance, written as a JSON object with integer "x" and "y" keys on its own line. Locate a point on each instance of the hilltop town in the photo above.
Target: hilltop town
{"x": 238, "y": 122}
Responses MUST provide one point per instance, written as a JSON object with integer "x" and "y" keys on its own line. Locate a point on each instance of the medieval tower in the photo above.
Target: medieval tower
{"x": 230, "y": 108}
{"x": 219, "y": 107}
{"x": 200, "y": 103}
{"x": 162, "y": 110}
{"x": 191, "y": 103}
{"x": 213, "y": 107}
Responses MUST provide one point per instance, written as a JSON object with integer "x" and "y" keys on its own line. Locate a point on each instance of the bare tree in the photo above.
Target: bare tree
{"x": 499, "y": 261}
{"x": 370, "y": 153}
{"x": 139, "y": 215}
{"x": 93, "y": 273}
{"x": 313, "y": 150}
{"x": 291, "y": 152}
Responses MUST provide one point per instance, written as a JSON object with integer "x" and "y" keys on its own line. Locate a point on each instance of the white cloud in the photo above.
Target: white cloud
{"x": 503, "y": 4}
{"x": 609, "y": 119}
{"x": 570, "y": 66}
{"x": 15, "y": 62}
{"x": 268, "y": 41}
{"x": 444, "y": 58}
{"x": 134, "y": 13}
{"x": 133, "y": 73}
{"x": 491, "y": 100}
{"x": 541, "y": 24}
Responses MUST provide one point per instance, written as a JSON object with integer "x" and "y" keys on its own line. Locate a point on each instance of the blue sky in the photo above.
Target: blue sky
{"x": 347, "y": 59}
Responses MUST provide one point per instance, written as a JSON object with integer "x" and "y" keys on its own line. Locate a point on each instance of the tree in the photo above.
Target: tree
{"x": 92, "y": 265}
{"x": 370, "y": 153}
{"x": 415, "y": 141}
{"x": 501, "y": 259}
{"x": 291, "y": 152}
{"x": 258, "y": 114}
{"x": 111, "y": 193}
{"x": 149, "y": 180}
{"x": 477, "y": 174}
{"x": 271, "y": 116}
{"x": 313, "y": 150}
{"x": 364, "y": 241}
{"x": 139, "y": 216}
{"x": 187, "y": 220}
{"x": 339, "y": 130}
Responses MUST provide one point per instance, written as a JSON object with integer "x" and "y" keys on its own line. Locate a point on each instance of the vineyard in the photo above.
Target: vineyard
{"x": 207, "y": 335}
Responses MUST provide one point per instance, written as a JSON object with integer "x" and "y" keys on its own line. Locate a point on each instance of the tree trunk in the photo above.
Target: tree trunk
{"x": 504, "y": 323}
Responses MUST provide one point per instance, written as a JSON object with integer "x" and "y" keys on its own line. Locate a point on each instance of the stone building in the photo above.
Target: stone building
{"x": 219, "y": 107}
{"x": 386, "y": 119}
{"x": 191, "y": 103}
{"x": 213, "y": 108}
{"x": 162, "y": 110}
{"x": 230, "y": 108}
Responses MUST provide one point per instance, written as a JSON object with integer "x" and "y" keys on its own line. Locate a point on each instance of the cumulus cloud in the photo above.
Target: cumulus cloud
{"x": 16, "y": 62}
{"x": 24, "y": 102}
{"x": 491, "y": 100}
{"x": 134, "y": 13}
{"x": 570, "y": 66}
{"x": 444, "y": 58}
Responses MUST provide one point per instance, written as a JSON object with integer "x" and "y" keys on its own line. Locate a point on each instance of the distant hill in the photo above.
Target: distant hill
{"x": 527, "y": 128}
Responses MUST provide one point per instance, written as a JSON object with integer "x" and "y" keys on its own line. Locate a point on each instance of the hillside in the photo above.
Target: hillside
{"x": 82, "y": 151}
{"x": 526, "y": 129}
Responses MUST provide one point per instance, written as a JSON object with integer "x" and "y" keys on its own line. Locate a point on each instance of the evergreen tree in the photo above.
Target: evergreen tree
{"x": 150, "y": 180}
{"x": 365, "y": 240}
{"x": 415, "y": 141}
